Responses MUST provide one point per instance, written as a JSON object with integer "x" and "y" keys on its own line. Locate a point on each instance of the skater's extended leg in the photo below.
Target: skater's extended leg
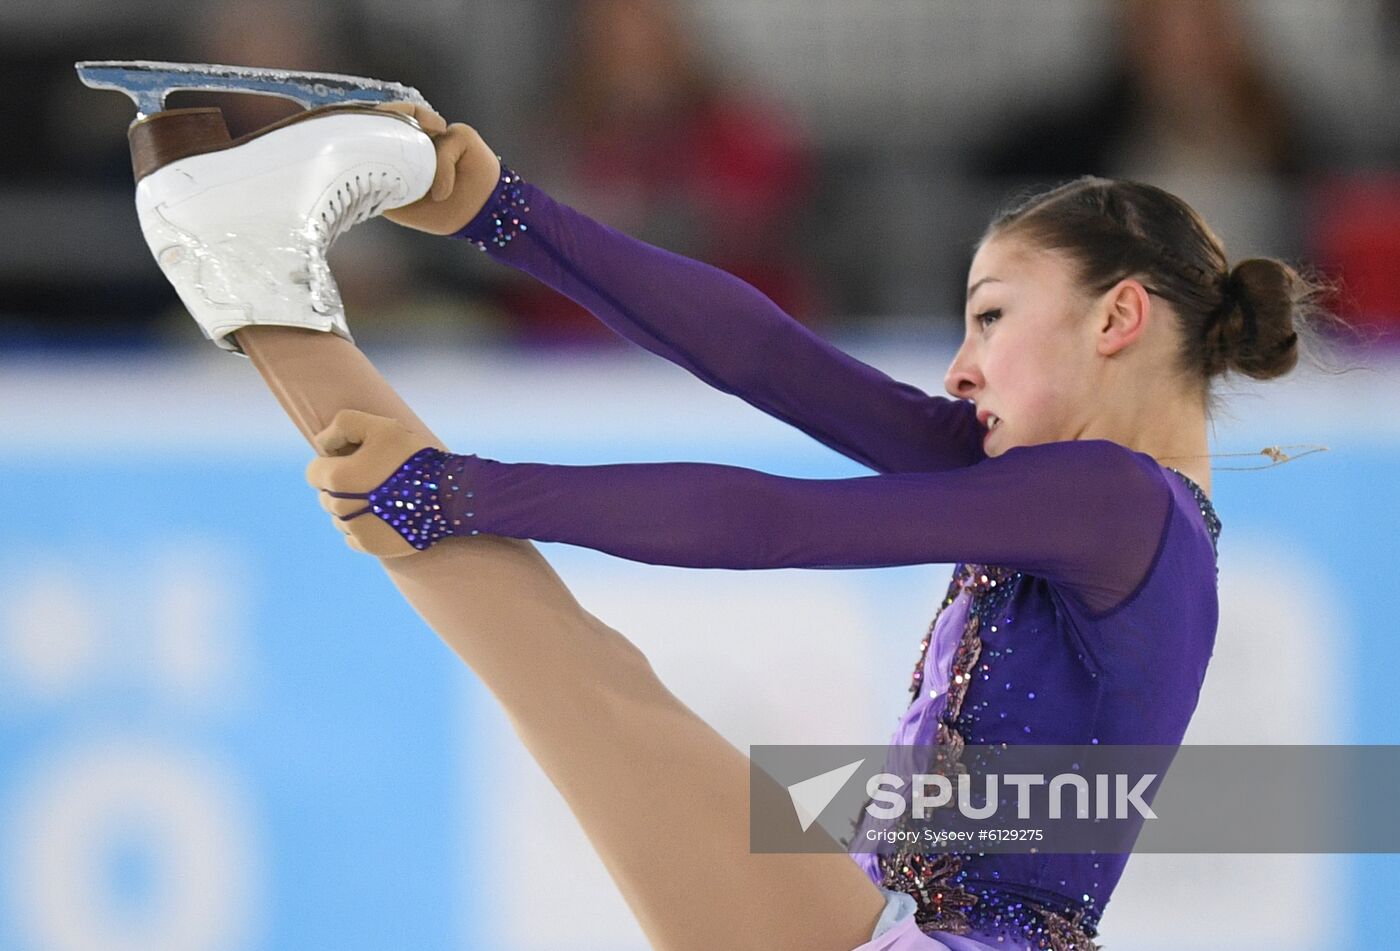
{"x": 636, "y": 765}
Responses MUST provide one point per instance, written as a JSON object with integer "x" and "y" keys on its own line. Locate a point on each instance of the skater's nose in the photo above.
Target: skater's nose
{"x": 963, "y": 378}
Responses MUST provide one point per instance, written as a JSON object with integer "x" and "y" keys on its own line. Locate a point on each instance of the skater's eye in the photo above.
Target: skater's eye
{"x": 988, "y": 316}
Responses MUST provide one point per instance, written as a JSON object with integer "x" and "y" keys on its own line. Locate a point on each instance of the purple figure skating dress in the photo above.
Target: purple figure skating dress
{"x": 1082, "y": 607}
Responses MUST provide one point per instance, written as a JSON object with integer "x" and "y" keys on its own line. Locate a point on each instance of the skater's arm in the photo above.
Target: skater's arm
{"x": 727, "y": 333}
{"x": 713, "y": 324}
{"x": 1086, "y": 514}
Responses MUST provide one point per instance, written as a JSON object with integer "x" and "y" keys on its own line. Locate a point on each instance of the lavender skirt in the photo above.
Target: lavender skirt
{"x": 897, "y": 931}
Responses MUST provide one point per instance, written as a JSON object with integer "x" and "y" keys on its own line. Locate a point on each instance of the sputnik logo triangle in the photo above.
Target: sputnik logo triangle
{"x": 811, "y": 796}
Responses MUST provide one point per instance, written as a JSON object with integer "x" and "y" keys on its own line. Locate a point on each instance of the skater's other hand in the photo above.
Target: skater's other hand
{"x": 467, "y": 171}
{"x": 360, "y": 451}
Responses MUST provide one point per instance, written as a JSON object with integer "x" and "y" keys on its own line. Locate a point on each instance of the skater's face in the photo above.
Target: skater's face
{"x": 1029, "y": 354}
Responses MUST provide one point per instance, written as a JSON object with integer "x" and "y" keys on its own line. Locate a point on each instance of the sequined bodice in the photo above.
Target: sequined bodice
{"x": 1212, "y": 521}
{"x": 1009, "y": 681}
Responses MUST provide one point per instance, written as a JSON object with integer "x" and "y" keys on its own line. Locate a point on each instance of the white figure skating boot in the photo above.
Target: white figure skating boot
{"x": 241, "y": 227}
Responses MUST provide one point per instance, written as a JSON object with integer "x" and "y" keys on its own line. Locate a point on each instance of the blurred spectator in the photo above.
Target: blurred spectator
{"x": 1187, "y": 90}
{"x": 1356, "y": 239}
{"x": 642, "y": 135}
{"x": 71, "y": 269}
{"x": 1187, "y": 105}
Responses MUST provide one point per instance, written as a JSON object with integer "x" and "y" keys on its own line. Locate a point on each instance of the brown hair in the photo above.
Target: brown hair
{"x": 1255, "y": 318}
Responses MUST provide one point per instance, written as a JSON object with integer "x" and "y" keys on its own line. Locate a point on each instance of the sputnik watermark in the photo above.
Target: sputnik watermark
{"x": 888, "y": 803}
{"x": 1099, "y": 798}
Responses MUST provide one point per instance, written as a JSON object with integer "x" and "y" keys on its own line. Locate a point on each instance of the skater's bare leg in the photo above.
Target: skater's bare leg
{"x": 636, "y": 766}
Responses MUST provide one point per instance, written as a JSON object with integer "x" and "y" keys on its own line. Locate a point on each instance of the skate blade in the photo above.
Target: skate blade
{"x": 148, "y": 83}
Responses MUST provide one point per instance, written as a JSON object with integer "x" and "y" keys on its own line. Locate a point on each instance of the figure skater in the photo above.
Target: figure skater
{"x": 1067, "y": 479}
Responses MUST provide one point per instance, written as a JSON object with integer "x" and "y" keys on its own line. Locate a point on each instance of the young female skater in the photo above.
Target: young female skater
{"x": 1082, "y": 609}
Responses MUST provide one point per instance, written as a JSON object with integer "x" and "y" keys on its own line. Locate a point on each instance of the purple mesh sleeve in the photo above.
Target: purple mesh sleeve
{"x": 727, "y": 333}
{"x": 1088, "y": 515}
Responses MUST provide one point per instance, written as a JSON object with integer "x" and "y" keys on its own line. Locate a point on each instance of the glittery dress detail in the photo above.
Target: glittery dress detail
{"x": 939, "y": 882}
{"x": 1075, "y": 616}
{"x": 420, "y": 500}
{"x": 505, "y": 209}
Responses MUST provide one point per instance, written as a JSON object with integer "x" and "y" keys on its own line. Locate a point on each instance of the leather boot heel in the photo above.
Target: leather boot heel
{"x": 167, "y": 136}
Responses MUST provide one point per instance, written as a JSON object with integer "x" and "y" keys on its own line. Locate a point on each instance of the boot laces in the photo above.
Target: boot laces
{"x": 355, "y": 200}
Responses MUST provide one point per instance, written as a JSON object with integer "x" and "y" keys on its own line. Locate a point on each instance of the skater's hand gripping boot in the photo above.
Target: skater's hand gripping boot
{"x": 390, "y": 491}
{"x": 466, "y": 177}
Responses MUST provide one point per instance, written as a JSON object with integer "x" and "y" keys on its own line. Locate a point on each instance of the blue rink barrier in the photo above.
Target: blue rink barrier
{"x": 215, "y": 730}
{"x": 221, "y": 729}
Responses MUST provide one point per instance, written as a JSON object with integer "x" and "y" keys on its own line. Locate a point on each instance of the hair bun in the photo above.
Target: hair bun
{"x": 1252, "y": 329}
